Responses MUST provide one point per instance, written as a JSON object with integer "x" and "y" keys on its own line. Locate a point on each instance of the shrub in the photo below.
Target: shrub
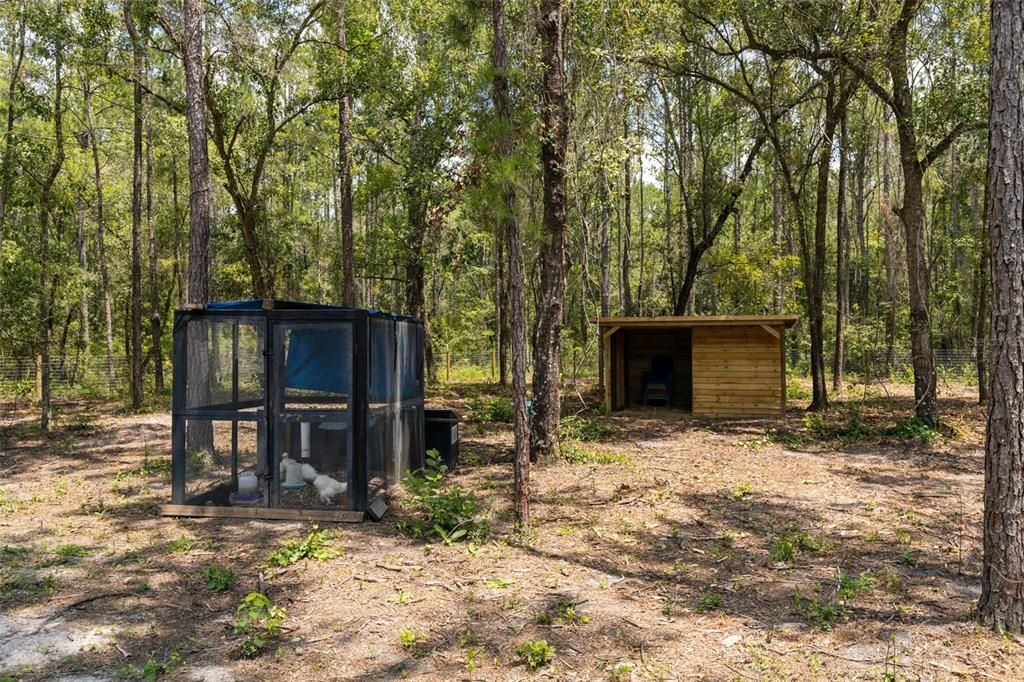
{"x": 535, "y": 653}
{"x": 260, "y": 621}
{"x": 446, "y": 512}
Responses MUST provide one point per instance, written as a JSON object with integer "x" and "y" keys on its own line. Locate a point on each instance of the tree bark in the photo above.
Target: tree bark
{"x": 1002, "y": 581}
{"x": 82, "y": 244}
{"x": 199, "y": 435}
{"x": 108, "y": 312}
{"x": 155, "y": 318}
{"x": 136, "y": 255}
{"x": 510, "y": 225}
{"x": 554, "y": 141}
{"x": 14, "y": 75}
{"x": 627, "y": 222}
{"x": 45, "y": 199}
{"x": 982, "y": 305}
{"x": 348, "y": 294}
{"x": 842, "y": 256}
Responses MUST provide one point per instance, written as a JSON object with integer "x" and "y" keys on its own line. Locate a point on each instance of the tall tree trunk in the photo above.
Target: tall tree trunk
{"x": 82, "y": 244}
{"x": 547, "y": 401}
{"x": 640, "y": 217}
{"x": 348, "y": 259}
{"x": 1002, "y": 580}
{"x": 891, "y": 254}
{"x": 627, "y": 222}
{"x": 863, "y": 267}
{"x": 108, "y": 312}
{"x": 199, "y": 435}
{"x": 136, "y": 268}
{"x": 13, "y": 76}
{"x": 606, "y": 249}
{"x": 510, "y": 224}
{"x": 45, "y": 199}
{"x": 842, "y": 256}
{"x": 155, "y": 319}
{"x": 777, "y": 208}
{"x": 982, "y": 304}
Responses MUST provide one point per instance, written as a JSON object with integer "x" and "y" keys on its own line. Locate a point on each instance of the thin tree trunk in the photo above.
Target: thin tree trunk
{"x": 510, "y": 223}
{"x": 554, "y": 142}
{"x": 627, "y": 222}
{"x": 82, "y": 244}
{"x": 155, "y": 319}
{"x": 1002, "y": 580}
{"x": 640, "y": 217}
{"x": 199, "y": 434}
{"x": 14, "y": 75}
{"x": 136, "y": 255}
{"x": 982, "y": 304}
{"x": 606, "y": 248}
{"x": 108, "y": 312}
{"x": 348, "y": 295}
{"x": 842, "y": 257}
{"x": 777, "y": 208}
{"x": 45, "y": 199}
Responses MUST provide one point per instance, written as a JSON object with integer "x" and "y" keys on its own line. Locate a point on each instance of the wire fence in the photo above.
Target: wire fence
{"x": 93, "y": 376}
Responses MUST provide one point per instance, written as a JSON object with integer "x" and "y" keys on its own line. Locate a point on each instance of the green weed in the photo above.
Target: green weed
{"x": 445, "y": 511}
{"x": 314, "y": 546}
{"x": 535, "y": 653}
{"x": 585, "y": 430}
{"x": 260, "y": 621}
{"x": 218, "y": 578}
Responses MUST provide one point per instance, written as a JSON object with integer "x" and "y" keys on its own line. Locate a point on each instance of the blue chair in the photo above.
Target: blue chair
{"x": 657, "y": 383}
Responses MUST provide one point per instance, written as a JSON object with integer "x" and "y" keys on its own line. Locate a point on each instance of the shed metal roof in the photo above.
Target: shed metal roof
{"x": 677, "y": 321}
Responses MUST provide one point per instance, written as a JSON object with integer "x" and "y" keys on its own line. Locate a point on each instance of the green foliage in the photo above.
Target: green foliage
{"x": 578, "y": 428}
{"x": 852, "y": 585}
{"x": 444, "y": 511}
{"x": 218, "y": 578}
{"x": 792, "y": 540}
{"x": 741, "y": 491}
{"x": 315, "y": 545}
{"x": 782, "y": 549}
{"x": 710, "y": 600}
{"x": 535, "y": 653}
{"x": 494, "y": 409}
{"x": 574, "y": 453}
{"x": 410, "y": 638}
{"x": 825, "y": 614}
{"x": 260, "y": 622}
{"x": 153, "y": 669}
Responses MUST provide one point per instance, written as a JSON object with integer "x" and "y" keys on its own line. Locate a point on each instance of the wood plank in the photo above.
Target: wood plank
{"x": 340, "y": 516}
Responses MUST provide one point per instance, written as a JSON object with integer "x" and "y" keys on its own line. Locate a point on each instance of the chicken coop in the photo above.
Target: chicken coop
{"x": 286, "y": 410}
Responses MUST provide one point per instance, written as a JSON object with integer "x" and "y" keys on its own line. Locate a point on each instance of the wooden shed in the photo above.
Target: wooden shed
{"x": 719, "y": 366}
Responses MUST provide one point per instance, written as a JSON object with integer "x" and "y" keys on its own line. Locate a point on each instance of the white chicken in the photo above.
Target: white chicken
{"x": 285, "y": 461}
{"x": 309, "y": 474}
{"x": 329, "y": 488}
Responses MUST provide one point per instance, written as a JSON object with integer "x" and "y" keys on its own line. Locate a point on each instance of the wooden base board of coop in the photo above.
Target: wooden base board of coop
{"x": 263, "y": 513}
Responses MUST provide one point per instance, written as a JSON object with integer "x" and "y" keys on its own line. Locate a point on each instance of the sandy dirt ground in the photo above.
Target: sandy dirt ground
{"x": 686, "y": 549}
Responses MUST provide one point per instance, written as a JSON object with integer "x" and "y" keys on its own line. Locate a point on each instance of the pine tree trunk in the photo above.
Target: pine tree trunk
{"x": 982, "y": 304}
{"x": 199, "y": 435}
{"x": 13, "y": 76}
{"x": 155, "y": 319}
{"x": 554, "y": 141}
{"x": 1002, "y": 582}
{"x": 348, "y": 295}
{"x": 777, "y": 208}
{"x": 842, "y": 260}
{"x": 108, "y": 312}
{"x": 45, "y": 199}
{"x": 82, "y": 244}
{"x": 136, "y": 255}
{"x": 627, "y": 224}
{"x": 510, "y": 225}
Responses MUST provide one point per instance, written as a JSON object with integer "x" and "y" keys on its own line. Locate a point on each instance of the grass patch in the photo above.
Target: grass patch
{"x": 574, "y": 453}
{"x": 494, "y": 409}
{"x": 585, "y": 430}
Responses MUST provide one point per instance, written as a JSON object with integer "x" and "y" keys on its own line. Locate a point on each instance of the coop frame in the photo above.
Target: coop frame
{"x": 271, "y": 317}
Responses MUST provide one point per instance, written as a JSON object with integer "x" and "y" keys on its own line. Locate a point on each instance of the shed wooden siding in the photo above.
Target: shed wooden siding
{"x": 738, "y": 371}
